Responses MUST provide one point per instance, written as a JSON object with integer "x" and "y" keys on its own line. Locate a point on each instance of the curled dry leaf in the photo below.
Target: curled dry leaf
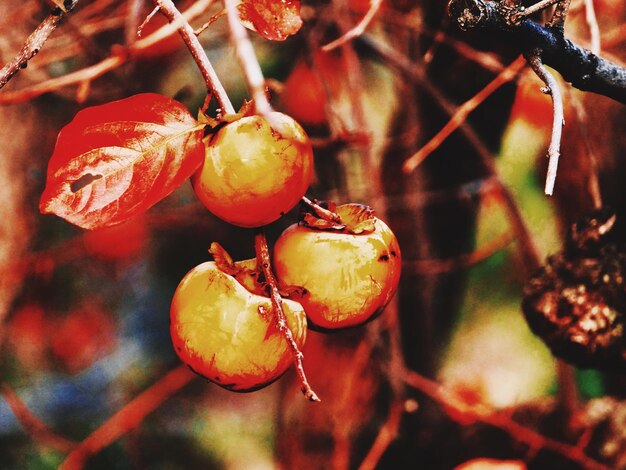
{"x": 275, "y": 20}
{"x": 116, "y": 160}
{"x": 222, "y": 259}
{"x": 358, "y": 218}
{"x": 355, "y": 218}
{"x": 313, "y": 221}
{"x": 246, "y": 272}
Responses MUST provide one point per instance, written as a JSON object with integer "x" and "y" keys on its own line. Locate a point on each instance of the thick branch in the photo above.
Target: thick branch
{"x": 34, "y": 42}
{"x": 580, "y": 67}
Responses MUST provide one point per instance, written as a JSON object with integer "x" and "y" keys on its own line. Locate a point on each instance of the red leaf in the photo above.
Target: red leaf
{"x": 273, "y": 19}
{"x": 116, "y": 160}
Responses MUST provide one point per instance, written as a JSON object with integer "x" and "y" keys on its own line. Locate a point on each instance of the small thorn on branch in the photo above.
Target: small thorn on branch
{"x": 558, "y": 120}
{"x": 263, "y": 260}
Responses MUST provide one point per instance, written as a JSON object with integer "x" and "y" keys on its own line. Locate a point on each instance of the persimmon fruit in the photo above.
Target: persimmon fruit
{"x": 255, "y": 170}
{"x": 228, "y": 334}
{"x": 347, "y": 278}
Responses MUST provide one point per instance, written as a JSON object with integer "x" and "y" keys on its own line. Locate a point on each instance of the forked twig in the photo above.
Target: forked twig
{"x": 357, "y": 30}
{"x": 460, "y": 115}
{"x": 487, "y": 415}
{"x": 118, "y": 57}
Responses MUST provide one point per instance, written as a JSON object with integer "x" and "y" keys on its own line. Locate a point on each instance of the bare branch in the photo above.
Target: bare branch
{"x": 35, "y": 42}
{"x": 357, "y": 30}
{"x": 386, "y": 435}
{"x": 552, "y": 87}
{"x": 578, "y": 66}
{"x": 531, "y": 10}
{"x": 211, "y": 80}
{"x": 263, "y": 258}
{"x": 417, "y": 73}
{"x": 461, "y": 114}
{"x": 35, "y": 427}
{"x": 247, "y": 59}
{"x": 485, "y": 414}
{"x": 118, "y": 57}
{"x": 129, "y": 417}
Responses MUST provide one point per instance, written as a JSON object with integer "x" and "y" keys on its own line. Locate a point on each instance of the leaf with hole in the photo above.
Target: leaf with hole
{"x": 116, "y": 160}
{"x": 275, "y": 20}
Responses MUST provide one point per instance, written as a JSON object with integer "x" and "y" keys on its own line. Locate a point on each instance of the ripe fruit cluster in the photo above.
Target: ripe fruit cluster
{"x": 337, "y": 273}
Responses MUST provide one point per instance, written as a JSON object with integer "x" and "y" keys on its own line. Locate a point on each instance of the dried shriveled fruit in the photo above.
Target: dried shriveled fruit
{"x": 577, "y": 301}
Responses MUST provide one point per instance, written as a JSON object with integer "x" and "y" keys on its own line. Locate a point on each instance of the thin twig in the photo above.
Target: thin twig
{"x": 386, "y": 435}
{"x": 118, "y": 57}
{"x": 263, "y": 258}
{"x": 592, "y": 23}
{"x": 138, "y": 32}
{"x": 482, "y": 253}
{"x": 213, "y": 84}
{"x": 531, "y": 10}
{"x": 593, "y": 185}
{"x": 558, "y": 120}
{"x": 209, "y": 22}
{"x": 247, "y": 59}
{"x": 461, "y": 114}
{"x": 132, "y": 27}
{"x": 560, "y": 14}
{"x": 485, "y": 414}
{"x": 357, "y": 30}
{"x": 129, "y": 417}
{"x": 34, "y": 43}
{"x": 578, "y": 66}
{"x": 33, "y": 425}
{"x": 417, "y": 73}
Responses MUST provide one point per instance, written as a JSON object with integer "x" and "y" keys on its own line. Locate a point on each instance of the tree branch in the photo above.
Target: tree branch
{"x": 35, "y": 41}
{"x": 552, "y": 88}
{"x": 578, "y": 66}
{"x": 128, "y": 417}
{"x": 211, "y": 79}
{"x": 263, "y": 258}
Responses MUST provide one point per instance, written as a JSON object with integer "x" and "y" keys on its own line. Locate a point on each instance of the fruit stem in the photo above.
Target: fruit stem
{"x": 244, "y": 52}
{"x": 263, "y": 259}
{"x": 322, "y": 213}
{"x": 213, "y": 84}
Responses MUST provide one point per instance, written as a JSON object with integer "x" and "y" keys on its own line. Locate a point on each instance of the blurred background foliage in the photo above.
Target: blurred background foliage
{"x": 84, "y": 316}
